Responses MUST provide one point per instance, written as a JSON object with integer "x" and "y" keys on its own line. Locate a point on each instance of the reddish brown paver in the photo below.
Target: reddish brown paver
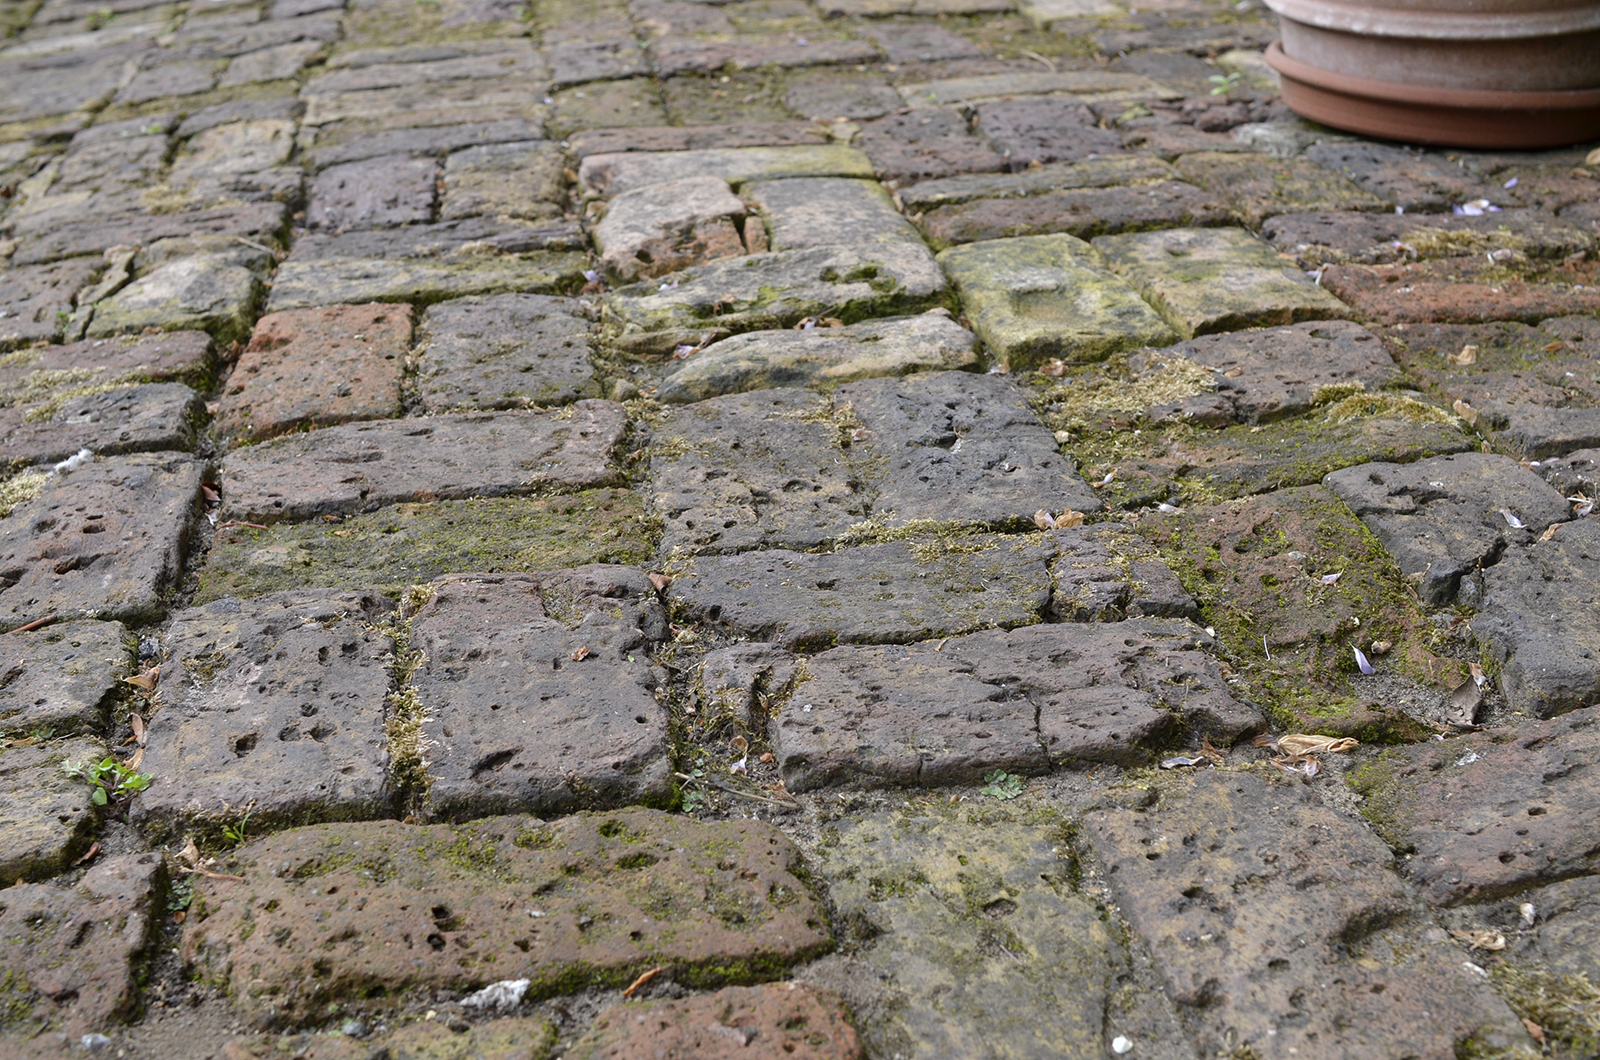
{"x": 74, "y": 949}
{"x": 777, "y": 1021}
{"x": 1490, "y": 813}
{"x": 316, "y": 368}
{"x": 356, "y": 910}
{"x": 1459, "y": 291}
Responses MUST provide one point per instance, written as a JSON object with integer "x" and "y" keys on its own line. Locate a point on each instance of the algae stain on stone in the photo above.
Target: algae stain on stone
{"x": 411, "y": 543}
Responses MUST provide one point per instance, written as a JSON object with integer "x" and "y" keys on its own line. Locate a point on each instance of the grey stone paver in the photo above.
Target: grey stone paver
{"x": 108, "y": 539}
{"x": 1025, "y": 974}
{"x": 578, "y": 727}
{"x": 1264, "y": 937}
{"x": 1448, "y": 516}
{"x": 1538, "y": 625}
{"x": 778, "y": 290}
{"x": 374, "y": 193}
{"x": 1265, "y": 374}
{"x": 200, "y": 293}
{"x": 76, "y": 950}
{"x": 872, "y": 594}
{"x": 944, "y": 446}
{"x": 1490, "y": 814}
{"x": 509, "y": 180}
{"x": 45, "y": 814}
{"x": 625, "y": 890}
{"x": 756, "y": 470}
{"x": 330, "y": 292}
{"x": 821, "y": 211}
{"x": 1026, "y": 701}
{"x": 492, "y": 454}
{"x": 314, "y": 678}
{"x": 62, "y": 677}
{"x": 503, "y": 351}
{"x": 824, "y": 358}
{"x": 611, "y": 174}
{"x": 134, "y": 419}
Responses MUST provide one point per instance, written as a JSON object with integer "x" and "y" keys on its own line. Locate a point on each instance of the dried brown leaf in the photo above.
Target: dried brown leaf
{"x": 1306, "y": 744}
{"x": 147, "y": 680}
{"x": 660, "y": 581}
{"x": 581, "y": 653}
{"x": 1465, "y": 411}
{"x": 94, "y": 848}
{"x": 1481, "y": 940}
{"x": 137, "y": 724}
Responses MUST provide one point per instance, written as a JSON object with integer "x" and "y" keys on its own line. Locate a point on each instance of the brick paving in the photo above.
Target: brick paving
{"x": 781, "y": 528}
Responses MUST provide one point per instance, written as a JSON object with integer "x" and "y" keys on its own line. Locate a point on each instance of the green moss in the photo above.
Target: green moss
{"x": 1114, "y": 392}
{"x": 1385, "y": 799}
{"x": 19, "y": 489}
{"x": 1255, "y": 567}
{"x": 411, "y": 543}
{"x": 1566, "y": 1006}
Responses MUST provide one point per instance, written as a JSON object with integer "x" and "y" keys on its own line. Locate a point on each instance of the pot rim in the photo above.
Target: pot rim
{"x": 1424, "y": 96}
{"x": 1370, "y": 20}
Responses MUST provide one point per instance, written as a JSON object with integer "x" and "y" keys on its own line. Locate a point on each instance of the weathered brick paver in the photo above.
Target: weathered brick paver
{"x": 858, "y": 470}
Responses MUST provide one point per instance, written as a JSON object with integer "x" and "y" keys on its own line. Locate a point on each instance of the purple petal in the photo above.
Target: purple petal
{"x": 1361, "y": 661}
{"x": 1329, "y": 579}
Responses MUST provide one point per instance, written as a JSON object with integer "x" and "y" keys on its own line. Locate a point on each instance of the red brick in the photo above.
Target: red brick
{"x": 317, "y": 368}
{"x": 1460, "y": 291}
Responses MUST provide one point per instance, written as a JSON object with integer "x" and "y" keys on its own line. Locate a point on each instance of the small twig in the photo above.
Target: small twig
{"x": 257, "y": 246}
{"x": 208, "y": 874}
{"x": 643, "y": 979}
{"x": 790, "y": 805}
{"x": 35, "y": 624}
{"x": 1049, "y": 63}
{"x": 239, "y": 522}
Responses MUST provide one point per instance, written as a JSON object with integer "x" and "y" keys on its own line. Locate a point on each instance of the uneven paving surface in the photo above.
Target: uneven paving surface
{"x": 781, "y": 529}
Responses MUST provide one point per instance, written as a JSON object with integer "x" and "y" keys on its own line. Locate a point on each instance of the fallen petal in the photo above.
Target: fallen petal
{"x": 1329, "y": 579}
{"x": 1361, "y": 661}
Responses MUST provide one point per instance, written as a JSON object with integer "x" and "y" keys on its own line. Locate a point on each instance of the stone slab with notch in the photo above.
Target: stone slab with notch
{"x": 1444, "y": 518}
{"x": 1038, "y": 297}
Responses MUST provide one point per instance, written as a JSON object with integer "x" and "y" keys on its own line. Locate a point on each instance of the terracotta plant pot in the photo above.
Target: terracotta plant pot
{"x": 1468, "y": 73}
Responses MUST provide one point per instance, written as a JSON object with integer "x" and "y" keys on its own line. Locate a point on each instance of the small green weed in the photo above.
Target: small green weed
{"x": 1002, "y": 785}
{"x": 236, "y": 834}
{"x": 1222, "y": 83}
{"x": 110, "y": 779}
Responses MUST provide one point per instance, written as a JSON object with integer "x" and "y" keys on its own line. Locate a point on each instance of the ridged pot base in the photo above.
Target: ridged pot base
{"x": 1447, "y": 117}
